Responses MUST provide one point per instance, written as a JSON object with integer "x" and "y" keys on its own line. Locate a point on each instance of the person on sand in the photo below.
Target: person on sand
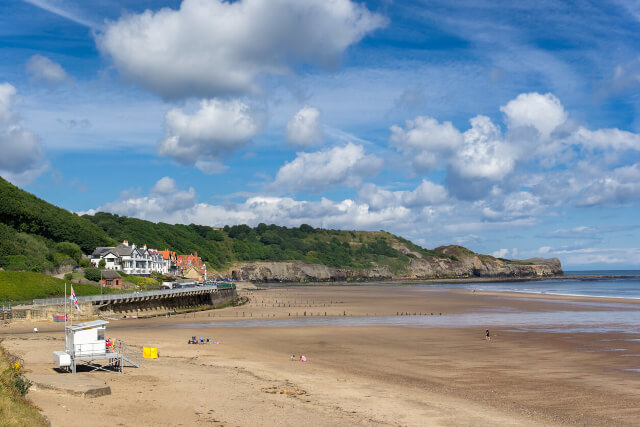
{"x": 303, "y": 358}
{"x": 293, "y": 357}
{"x": 487, "y": 335}
{"x": 35, "y": 330}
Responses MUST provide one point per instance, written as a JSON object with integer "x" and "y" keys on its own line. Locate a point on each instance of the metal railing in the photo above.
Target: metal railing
{"x": 131, "y": 296}
{"x": 132, "y": 354}
{"x": 87, "y": 350}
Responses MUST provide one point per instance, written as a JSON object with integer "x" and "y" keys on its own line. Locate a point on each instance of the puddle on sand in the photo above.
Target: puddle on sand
{"x": 601, "y": 350}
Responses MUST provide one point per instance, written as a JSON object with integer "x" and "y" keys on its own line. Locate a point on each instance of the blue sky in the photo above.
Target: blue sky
{"x": 511, "y": 128}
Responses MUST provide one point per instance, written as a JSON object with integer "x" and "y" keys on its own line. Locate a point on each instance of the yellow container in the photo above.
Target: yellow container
{"x": 149, "y": 352}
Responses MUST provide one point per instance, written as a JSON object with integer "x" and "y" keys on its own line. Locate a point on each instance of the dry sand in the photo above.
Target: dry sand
{"x": 367, "y": 375}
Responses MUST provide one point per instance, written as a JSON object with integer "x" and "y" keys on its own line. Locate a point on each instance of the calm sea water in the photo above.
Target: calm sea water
{"x": 625, "y": 286}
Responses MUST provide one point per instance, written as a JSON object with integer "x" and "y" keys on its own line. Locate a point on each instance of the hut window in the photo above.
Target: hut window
{"x": 100, "y": 334}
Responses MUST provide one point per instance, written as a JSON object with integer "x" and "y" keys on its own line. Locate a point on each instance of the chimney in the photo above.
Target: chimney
{"x": 195, "y": 255}
{"x": 126, "y": 243}
{"x": 145, "y": 246}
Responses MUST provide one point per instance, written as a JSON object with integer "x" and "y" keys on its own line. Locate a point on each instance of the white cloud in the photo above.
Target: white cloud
{"x": 7, "y": 91}
{"x": 483, "y": 154}
{"x": 615, "y": 139}
{"x": 620, "y": 186}
{"x": 215, "y": 130}
{"x": 42, "y": 68}
{"x": 427, "y": 143}
{"x": 588, "y": 256}
{"x": 329, "y": 168}
{"x": 543, "y": 112}
{"x": 501, "y": 253}
{"x": 62, "y": 10}
{"x": 303, "y": 130}
{"x": 513, "y": 206}
{"x": 543, "y": 149}
{"x": 164, "y": 202}
{"x": 165, "y": 185}
{"x": 181, "y": 207}
{"x": 22, "y": 159}
{"x": 426, "y": 194}
{"x": 21, "y": 149}
{"x": 208, "y": 48}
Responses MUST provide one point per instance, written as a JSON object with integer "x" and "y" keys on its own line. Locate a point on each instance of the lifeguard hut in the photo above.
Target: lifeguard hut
{"x": 85, "y": 344}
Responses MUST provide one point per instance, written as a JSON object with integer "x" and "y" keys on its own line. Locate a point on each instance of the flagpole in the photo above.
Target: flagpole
{"x": 66, "y": 346}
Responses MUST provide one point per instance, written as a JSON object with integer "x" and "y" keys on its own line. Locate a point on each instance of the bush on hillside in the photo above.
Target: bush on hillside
{"x": 70, "y": 249}
{"x": 92, "y": 273}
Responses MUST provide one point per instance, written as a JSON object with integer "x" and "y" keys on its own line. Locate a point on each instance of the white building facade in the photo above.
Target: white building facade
{"x": 131, "y": 259}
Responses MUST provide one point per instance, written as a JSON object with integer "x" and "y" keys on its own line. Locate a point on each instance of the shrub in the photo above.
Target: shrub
{"x": 68, "y": 277}
{"x": 91, "y": 273}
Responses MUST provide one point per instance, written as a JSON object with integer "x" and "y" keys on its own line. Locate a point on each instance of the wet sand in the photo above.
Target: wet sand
{"x": 390, "y": 375}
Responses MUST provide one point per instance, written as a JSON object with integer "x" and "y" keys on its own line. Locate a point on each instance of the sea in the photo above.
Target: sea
{"x": 601, "y": 283}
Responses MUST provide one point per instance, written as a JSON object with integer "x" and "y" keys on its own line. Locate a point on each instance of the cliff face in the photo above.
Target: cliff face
{"x": 296, "y": 271}
{"x": 461, "y": 264}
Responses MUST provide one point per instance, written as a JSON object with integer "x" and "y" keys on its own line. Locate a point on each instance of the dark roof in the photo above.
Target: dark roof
{"x": 110, "y": 274}
{"x": 123, "y": 250}
{"x": 101, "y": 251}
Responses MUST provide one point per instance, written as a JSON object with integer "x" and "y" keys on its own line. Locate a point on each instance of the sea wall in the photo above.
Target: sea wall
{"x": 126, "y": 307}
{"x": 170, "y": 303}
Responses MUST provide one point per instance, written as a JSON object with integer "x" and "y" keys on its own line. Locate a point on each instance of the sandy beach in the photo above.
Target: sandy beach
{"x": 382, "y": 355}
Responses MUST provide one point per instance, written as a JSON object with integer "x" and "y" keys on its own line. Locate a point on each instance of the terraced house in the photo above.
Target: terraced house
{"x": 131, "y": 259}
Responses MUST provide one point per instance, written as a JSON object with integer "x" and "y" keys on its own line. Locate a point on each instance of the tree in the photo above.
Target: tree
{"x": 215, "y": 235}
{"x": 102, "y": 264}
{"x": 306, "y": 228}
{"x": 70, "y": 249}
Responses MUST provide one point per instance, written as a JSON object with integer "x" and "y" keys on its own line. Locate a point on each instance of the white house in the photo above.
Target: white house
{"x": 130, "y": 259}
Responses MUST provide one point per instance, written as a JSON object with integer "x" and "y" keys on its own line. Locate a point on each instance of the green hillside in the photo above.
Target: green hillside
{"x": 26, "y": 213}
{"x": 37, "y": 236}
{"x": 22, "y": 287}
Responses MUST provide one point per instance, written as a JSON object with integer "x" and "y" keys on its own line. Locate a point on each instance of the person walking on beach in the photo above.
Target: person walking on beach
{"x": 487, "y": 335}
{"x": 293, "y": 357}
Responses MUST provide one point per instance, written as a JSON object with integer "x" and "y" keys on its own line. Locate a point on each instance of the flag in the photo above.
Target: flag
{"x": 74, "y": 299}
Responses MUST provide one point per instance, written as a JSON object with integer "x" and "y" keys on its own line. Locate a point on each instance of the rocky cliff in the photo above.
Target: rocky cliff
{"x": 451, "y": 262}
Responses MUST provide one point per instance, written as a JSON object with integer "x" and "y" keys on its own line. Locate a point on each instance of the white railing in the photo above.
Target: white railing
{"x": 91, "y": 349}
